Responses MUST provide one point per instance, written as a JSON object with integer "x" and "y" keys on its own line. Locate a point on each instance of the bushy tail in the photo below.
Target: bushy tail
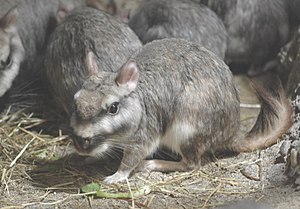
{"x": 274, "y": 119}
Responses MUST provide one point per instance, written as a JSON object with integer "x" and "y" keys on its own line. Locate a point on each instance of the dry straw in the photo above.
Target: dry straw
{"x": 36, "y": 166}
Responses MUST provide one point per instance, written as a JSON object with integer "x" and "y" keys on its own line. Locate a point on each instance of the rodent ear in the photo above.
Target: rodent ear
{"x": 62, "y": 11}
{"x": 128, "y": 75}
{"x": 8, "y": 21}
{"x": 90, "y": 64}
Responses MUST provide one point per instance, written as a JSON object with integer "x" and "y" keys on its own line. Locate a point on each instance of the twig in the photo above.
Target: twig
{"x": 21, "y": 153}
{"x": 44, "y": 196}
{"x": 3, "y": 174}
{"x": 31, "y": 134}
{"x": 210, "y": 195}
{"x": 248, "y": 176}
{"x": 260, "y": 166}
{"x": 150, "y": 201}
{"x": 248, "y": 162}
{"x": 130, "y": 191}
{"x": 254, "y": 106}
{"x": 54, "y": 203}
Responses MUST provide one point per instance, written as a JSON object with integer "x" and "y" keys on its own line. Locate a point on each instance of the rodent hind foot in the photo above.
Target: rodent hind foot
{"x": 119, "y": 176}
{"x": 163, "y": 166}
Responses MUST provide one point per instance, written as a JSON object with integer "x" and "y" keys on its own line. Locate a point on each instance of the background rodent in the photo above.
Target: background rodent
{"x": 157, "y": 19}
{"x": 24, "y": 29}
{"x": 84, "y": 29}
{"x": 256, "y": 32}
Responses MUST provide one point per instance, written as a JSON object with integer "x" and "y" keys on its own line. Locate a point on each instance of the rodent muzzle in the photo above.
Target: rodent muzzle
{"x": 87, "y": 145}
{"x": 82, "y": 145}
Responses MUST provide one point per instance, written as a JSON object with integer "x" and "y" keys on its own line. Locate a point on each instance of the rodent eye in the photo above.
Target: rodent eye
{"x": 7, "y": 62}
{"x": 114, "y": 108}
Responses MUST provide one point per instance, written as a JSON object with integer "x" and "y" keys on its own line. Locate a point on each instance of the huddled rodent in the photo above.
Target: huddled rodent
{"x": 293, "y": 11}
{"x": 24, "y": 28}
{"x": 158, "y": 19}
{"x": 256, "y": 31}
{"x": 85, "y": 29}
{"x": 11, "y": 50}
{"x": 171, "y": 93}
{"x": 291, "y": 64}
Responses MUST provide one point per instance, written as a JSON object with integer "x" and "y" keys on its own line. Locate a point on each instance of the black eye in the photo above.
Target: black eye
{"x": 114, "y": 108}
{"x": 7, "y": 62}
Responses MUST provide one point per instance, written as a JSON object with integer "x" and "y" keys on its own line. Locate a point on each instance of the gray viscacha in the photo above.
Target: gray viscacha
{"x": 257, "y": 29}
{"x": 293, "y": 11}
{"x": 23, "y": 33}
{"x": 85, "y": 29}
{"x": 158, "y": 19}
{"x": 171, "y": 93}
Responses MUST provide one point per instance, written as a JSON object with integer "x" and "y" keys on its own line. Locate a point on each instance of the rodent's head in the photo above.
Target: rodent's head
{"x": 11, "y": 50}
{"x": 7, "y": 30}
{"x": 5, "y": 60}
{"x": 107, "y": 112}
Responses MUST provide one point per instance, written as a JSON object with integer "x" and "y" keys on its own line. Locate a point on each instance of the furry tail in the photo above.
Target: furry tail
{"x": 274, "y": 119}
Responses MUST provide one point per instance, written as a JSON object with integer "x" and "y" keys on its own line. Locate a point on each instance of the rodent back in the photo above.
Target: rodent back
{"x": 180, "y": 19}
{"x": 86, "y": 29}
{"x": 182, "y": 81}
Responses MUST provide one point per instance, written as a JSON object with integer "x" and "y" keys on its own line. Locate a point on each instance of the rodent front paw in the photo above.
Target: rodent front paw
{"x": 116, "y": 177}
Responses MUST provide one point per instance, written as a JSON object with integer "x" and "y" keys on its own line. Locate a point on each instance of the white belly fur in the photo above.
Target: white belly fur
{"x": 177, "y": 134}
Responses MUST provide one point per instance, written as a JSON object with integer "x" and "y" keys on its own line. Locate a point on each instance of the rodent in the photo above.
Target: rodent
{"x": 84, "y": 29}
{"x": 292, "y": 64}
{"x": 293, "y": 11}
{"x": 11, "y": 50}
{"x": 158, "y": 19}
{"x": 172, "y": 93}
{"x": 256, "y": 31}
{"x": 24, "y": 28}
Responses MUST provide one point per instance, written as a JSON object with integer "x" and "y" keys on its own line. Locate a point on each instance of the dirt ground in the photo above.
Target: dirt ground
{"x": 46, "y": 176}
{"x": 38, "y": 171}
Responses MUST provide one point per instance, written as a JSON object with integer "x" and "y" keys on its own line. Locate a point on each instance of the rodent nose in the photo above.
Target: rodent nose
{"x": 81, "y": 144}
{"x": 86, "y": 143}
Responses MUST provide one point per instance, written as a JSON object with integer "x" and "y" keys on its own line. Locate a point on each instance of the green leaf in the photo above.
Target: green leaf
{"x": 125, "y": 195}
{"x": 92, "y": 187}
{"x": 42, "y": 155}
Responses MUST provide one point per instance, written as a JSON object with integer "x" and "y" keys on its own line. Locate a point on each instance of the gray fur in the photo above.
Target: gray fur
{"x": 257, "y": 29}
{"x": 161, "y": 111}
{"x": 158, "y": 19}
{"x": 292, "y": 64}
{"x": 85, "y": 29}
{"x": 294, "y": 11}
{"x": 27, "y": 36}
{"x": 11, "y": 50}
{"x": 172, "y": 93}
